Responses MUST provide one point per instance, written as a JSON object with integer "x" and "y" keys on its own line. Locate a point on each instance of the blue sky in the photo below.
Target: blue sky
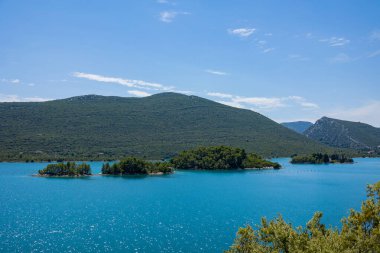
{"x": 289, "y": 60}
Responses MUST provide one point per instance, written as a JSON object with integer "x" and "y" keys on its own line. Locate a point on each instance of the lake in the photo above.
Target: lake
{"x": 189, "y": 211}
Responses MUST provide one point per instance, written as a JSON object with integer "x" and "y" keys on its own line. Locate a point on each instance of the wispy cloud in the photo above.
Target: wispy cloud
{"x": 216, "y": 72}
{"x": 375, "y": 35}
{"x": 139, "y": 93}
{"x": 11, "y": 81}
{"x": 16, "y": 98}
{"x": 309, "y": 35}
{"x": 231, "y": 103}
{"x": 219, "y": 95}
{"x": 302, "y": 102}
{"x": 374, "y": 54}
{"x": 297, "y": 57}
{"x": 125, "y": 82}
{"x": 368, "y": 113}
{"x": 242, "y": 32}
{"x": 335, "y": 41}
{"x": 262, "y": 103}
{"x": 169, "y": 16}
{"x": 268, "y": 50}
{"x": 262, "y": 45}
{"x": 341, "y": 58}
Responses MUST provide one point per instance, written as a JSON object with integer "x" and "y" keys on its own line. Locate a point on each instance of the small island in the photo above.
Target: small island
{"x": 136, "y": 166}
{"x": 319, "y": 158}
{"x": 220, "y": 158}
{"x": 69, "y": 169}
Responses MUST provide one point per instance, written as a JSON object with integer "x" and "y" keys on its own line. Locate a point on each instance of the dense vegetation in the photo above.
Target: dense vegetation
{"x": 345, "y": 134}
{"x": 66, "y": 169}
{"x": 319, "y": 158}
{"x": 135, "y": 166}
{"x": 298, "y": 126}
{"x": 360, "y": 233}
{"x": 156, "y": 127}
{"x": 219, "y": 158}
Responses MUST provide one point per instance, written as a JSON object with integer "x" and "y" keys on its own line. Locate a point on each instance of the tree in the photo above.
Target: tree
{"x": 68, "y": 169}
{"x": 136, "y": 166}
{"x": 360, "y": 233}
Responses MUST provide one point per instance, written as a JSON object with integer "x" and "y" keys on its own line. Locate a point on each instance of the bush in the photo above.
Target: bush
{"x": 135, "y": 166}
{"x": 66, "y": 169}
{"x": 360, "y": 233}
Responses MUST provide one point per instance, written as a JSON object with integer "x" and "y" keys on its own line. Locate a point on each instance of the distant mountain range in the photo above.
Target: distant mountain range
{"x": 298, "y": 126}
{"x": 345, "y": 134}
{"x": 154, "y": 127}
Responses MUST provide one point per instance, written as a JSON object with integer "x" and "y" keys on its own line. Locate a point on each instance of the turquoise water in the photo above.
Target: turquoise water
{"x": 188, "y": 211}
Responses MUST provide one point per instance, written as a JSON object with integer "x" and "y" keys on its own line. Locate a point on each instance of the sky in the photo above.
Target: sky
{"x": 288, "y": 60}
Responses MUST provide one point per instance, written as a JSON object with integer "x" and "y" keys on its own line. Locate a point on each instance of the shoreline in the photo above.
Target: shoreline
{"x": 99, "y": 174}
{"x": 152, "y": 174}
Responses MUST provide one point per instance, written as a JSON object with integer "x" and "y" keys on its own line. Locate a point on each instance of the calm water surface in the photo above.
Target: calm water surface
{"x": 188, "y": 211}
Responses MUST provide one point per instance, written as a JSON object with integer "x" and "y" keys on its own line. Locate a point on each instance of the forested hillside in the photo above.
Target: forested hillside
{"x": 155, "y": 127}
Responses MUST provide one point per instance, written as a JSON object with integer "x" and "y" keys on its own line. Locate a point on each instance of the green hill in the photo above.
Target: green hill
{"x": 159, "y": 126}
{"x": 298, "y": 126}
{"x": 345, "y": 134}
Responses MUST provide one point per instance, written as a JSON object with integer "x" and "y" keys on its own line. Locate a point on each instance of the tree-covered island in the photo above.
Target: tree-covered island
{"x": 70, "y": 169}
{"x": 136, "y": 166}
{"x": 220, "y": 158}
{"x": 319, "y": 158}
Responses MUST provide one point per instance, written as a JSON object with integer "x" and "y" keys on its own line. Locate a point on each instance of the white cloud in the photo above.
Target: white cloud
{"x": 297, "y": 57}
{"x": 125, "y": 82}
{"x": 12, "y": 81}
{"x": 216, "y": 72}
{"x": 341, "y": 58}
{"x": 302, "y": 102}
{"x": 260, "y": 102}
{"x": 263, "y": 103}
{"x": 16, "y": 98}
{"x": 232, "y": 104}
{"x": 242, "y": 32}
{"x": 262, "y": 42}
{"x": 368, "y": 113}
{"x": 169, "y": 16}
{"x": 31, "y": 84}
{"x": 267, "y": 50}
{"x": 335, "y": 41}
{"x": 139, "y": 93}
{"x": 219, "y": 95}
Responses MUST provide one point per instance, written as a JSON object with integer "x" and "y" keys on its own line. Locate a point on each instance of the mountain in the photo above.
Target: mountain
{"x": 345, "y": 134}
{"x": 298, "y": 126}
{"x": 158, "y": 126}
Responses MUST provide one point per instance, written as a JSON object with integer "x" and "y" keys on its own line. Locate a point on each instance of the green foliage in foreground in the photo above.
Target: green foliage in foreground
{"x": 219, "y": 158}
{"x": 66, "y": 169}
{"x": 135, "y": 166}
{"x": 319, "y": 158}
{"x": 360, "y": 233}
